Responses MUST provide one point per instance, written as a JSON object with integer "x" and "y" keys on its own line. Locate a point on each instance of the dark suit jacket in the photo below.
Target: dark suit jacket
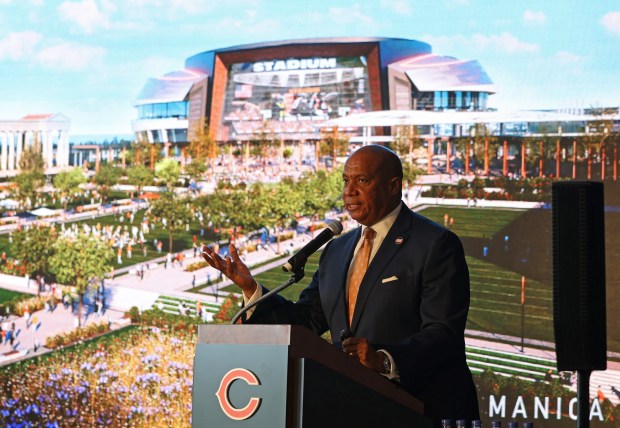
{"x": 418, "y": 318}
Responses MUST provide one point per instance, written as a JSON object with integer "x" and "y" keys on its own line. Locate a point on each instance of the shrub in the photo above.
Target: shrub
{"x": 228, "y": 310}
{"x": 155, "y": 317}
{"x": 195, "y": 266}
{"x": 82, "y": 333}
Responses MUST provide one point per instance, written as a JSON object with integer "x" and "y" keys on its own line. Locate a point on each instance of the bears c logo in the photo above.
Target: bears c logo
{"x": 222, "y": 394}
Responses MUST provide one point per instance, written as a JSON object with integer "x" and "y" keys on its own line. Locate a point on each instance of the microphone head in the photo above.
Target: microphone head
{"x": 335, "y": 226}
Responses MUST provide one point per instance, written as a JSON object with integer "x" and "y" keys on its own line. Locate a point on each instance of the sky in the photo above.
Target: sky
{"x": 88, "y": 59}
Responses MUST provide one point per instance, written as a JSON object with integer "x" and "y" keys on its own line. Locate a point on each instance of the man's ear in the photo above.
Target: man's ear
{"x": 395, "y": 186}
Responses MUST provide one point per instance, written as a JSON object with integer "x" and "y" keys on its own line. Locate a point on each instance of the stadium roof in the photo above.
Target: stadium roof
{"x": 318, "y": 41}
{"x": 432, "y": 72}
{"x": 171, "y": 87}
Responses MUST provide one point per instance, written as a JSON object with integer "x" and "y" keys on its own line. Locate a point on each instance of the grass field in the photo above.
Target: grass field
{"x": 473, "y": 222}
{"x": 496, "y": 302}
{"x": 8, "y": 295}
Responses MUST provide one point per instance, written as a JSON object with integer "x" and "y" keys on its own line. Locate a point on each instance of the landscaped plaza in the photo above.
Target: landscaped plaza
{"x": 93, "y": 256}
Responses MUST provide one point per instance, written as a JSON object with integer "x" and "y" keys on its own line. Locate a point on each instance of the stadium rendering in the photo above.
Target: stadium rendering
{"x": 288, "y": 89}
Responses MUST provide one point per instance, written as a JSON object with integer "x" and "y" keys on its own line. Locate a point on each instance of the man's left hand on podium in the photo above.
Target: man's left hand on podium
{"x": 360, "y": 349}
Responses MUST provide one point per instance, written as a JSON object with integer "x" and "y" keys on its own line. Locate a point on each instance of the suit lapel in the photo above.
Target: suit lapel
{"x": 338, "y": 277}
{"x": 393, "y": 242}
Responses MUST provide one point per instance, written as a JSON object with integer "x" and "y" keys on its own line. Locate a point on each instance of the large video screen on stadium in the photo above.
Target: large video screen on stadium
{"x": 285, "y": 97}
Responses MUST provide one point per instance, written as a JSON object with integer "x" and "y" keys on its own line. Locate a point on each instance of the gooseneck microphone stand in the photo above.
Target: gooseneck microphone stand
{"x": 298, "y": 274}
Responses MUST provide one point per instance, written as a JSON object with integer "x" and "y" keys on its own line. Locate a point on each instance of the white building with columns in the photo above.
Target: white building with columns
{"x": 51, "y": 131}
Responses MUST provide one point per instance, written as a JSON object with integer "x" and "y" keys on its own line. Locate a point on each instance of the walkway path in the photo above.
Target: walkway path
{"x": 30, "y": 337}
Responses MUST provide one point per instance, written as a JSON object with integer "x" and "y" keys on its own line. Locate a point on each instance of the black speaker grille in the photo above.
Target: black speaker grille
{"x": 579, "y": 275}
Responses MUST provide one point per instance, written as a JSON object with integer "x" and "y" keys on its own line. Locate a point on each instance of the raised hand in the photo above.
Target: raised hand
{"x": 232, "y": 267}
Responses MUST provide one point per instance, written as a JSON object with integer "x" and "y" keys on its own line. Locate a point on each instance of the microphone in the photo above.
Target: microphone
{"x": 298, "y": 261}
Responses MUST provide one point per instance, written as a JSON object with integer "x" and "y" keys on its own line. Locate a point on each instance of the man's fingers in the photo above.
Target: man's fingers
{"x": 233, "y": 252}
{"x": 211, "y": 257}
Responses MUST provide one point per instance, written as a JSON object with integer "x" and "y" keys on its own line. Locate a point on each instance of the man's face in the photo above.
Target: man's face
{"x": 368, "y": 195}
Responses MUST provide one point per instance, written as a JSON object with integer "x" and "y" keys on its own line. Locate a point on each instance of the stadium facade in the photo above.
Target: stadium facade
{"x": 287, "y": 89}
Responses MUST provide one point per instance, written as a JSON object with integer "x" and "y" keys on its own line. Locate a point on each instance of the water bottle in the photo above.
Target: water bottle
{"x": 446, "y": 423}
{"x": 496, "y": 424}
{"x": 528, "y": 424}
{"x": 476, "y": 423}
{"x": 461, "y": 423}
{"x": 513, "y": 424}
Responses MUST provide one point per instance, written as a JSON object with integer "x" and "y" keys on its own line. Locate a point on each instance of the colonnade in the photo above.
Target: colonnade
{"x": 52, "y": 137}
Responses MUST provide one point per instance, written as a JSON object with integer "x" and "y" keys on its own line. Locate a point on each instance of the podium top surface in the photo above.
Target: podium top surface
{"x": 247, "y": 334}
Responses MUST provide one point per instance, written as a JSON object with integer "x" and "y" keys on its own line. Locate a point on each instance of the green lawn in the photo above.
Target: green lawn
{"x": 496, "y": 302}
{"x": 8, "y": 295}
{"x": 473, "y": 222}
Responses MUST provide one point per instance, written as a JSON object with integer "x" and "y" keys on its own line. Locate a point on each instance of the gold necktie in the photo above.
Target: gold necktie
{"x": 359, "y": 269}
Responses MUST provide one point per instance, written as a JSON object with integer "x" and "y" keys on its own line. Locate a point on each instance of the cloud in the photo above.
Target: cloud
{"x": 534, "y": 18}
{"x": 349, "y": 15}
{"x": 70, "y": 56}
{"x": 20, "y": 45}
{"x": 611, "y": 22}
{"x": 567, "y": 58}
{"x": 87, "y": 15}
{"x": 501, "y": 43}
{"x": 190, "y": 6}
{"x": 504, "y": 42}
{"x": 401, "y": 7}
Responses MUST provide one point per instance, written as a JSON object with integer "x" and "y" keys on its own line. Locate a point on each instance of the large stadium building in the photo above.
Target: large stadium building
{"x": 288, "y": 89}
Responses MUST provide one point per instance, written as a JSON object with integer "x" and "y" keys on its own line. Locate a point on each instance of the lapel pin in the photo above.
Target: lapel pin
{"x": 399, "y": 240}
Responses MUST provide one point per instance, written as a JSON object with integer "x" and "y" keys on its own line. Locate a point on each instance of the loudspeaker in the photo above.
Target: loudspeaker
{"x": 579, "y": 275}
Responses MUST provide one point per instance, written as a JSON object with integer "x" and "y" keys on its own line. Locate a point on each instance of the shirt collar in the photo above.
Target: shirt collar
{"x": 383, "y": 226}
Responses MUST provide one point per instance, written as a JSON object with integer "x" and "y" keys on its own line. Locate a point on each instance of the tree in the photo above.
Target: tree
{"x": 31, "y": 176}
{"x": 67, "y": 182}
{"x": 79, "y": 262}
{"x": 329, "y": 196}
{"x": 202, "y": 146}
{"x": 33, "y": 247}
{"x": 107, "y": 177}
{"x": 168, "y": 170}
{"x": 139, "y": 176}
{"x": 406, "y": 140}
{"x": 262, "y": 144}
{"x": 410, "y": 173}
{"x": 174, "y": 210}
{"x": 196, "y": 170}
{"x": 334, "y": 144}
{"x": 139, "y": 153}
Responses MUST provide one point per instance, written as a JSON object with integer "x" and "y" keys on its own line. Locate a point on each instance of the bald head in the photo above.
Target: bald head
{"x": 388, "y": 160}
{"x": 372, "y": 183}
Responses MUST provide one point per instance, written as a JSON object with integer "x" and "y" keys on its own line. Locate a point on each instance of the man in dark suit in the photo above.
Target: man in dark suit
{"x": 403, "y": 313}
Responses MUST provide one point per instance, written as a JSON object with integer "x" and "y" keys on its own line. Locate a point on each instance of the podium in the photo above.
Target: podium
{"x": 283, "y": 376}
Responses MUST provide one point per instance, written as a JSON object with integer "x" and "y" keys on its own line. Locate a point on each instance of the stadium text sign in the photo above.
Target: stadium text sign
{"x": 294, "y": 64}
